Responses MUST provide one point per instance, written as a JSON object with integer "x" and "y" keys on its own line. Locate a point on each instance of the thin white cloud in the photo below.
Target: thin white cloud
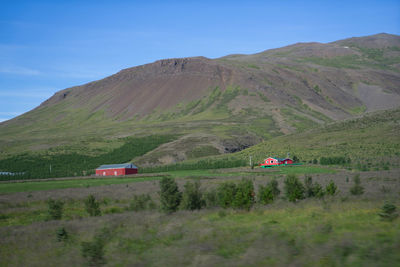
{"x": 19, "y": 71}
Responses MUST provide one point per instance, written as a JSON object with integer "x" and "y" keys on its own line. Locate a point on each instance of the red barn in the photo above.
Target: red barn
{"x": 269, "y": 162}
{"x": 116, "y": 169}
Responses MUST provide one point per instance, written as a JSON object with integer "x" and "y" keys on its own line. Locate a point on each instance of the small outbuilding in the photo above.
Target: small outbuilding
{"x": 269, "y": 162}
{"x": 116, "y": 169}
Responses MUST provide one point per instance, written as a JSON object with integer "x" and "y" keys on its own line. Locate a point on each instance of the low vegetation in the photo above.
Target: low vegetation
{"x": 223, "y": 216}
{"x": 357, "y": 188}
{"x": 92, "y": 206}
{"x": 170, "y": 196}
{"x": 55, "y": 209}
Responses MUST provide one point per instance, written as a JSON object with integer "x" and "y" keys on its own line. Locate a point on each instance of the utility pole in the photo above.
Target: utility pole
{"x": 250, "y": 162}
{"x": 50, "y": 168}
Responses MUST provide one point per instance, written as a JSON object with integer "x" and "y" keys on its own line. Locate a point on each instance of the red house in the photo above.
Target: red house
{"x": 269, "y": 162}
{"x": 116, "y": 169}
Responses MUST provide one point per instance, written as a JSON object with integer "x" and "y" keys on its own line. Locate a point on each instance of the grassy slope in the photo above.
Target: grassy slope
{"x": 372, "y": 139}
{"x": 371, "y": 142}
{"x": 79, "y": 130}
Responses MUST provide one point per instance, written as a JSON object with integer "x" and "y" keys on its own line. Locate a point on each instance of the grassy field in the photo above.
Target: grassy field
{"x": 307, "y": 234}
{"x": 8, "y": 188}
{"x": 340, "y": 230}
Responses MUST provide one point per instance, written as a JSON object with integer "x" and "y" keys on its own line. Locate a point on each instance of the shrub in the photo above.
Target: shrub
{"x": 388, "y": 212}
{"x": 92, "y": 206}
{"x": 308, "y": 186}
{"x": 267, "y": 194}
{"x": 94, "y": 251}
{"x": 170, "y": 196}
{"x": 357, "y": 188}
{"x": 192, "y": 196}
{"x": 296, "y": 159}
{"x": 55, "y": 209}
{"x": 294, "y": 189}
{"x": 141, "y": 202}
{"x": 318, "y": 190}
{"x": 244, "y": 197}
{"x": 315, "y": 161}
{"x": 313, "y": 189}
{"x": 331, "y": 188}
{"x": 226, "y": 194}
{"x": 210, "y": 198}
{"x": 61, "y": 234}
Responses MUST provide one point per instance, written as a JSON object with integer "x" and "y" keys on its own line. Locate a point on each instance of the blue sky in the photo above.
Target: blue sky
{"x": 46, "y": 46}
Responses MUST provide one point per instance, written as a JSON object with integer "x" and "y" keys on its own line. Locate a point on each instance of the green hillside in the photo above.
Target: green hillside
{"x": 370, "y": 142}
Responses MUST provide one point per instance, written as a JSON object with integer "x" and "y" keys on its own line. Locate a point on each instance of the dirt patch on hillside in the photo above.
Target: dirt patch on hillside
{"x": 375, "y": 98}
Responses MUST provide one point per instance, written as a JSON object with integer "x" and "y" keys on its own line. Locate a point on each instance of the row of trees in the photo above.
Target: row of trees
{"x": 334, "y": 160}
{"x": 240, "y": 195}
{"x": 199, "y": 165}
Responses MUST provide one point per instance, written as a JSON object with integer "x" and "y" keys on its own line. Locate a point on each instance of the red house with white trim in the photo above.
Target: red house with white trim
{"x": 269, "y": 162}
{"x": 116, "y": 169}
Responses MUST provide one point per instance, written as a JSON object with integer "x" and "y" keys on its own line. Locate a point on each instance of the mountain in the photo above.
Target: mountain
{"x": 215, "y": 106}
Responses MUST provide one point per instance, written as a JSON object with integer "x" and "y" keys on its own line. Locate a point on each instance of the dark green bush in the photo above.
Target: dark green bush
{"x": 244, "y": 197}
{"x": 309, "y": 190}
{"x": 210, "y": 198}
{"x": 357, "y": 188}
{"x": 141, "y": 202}
{"x": 312, "y": 189}
{"x": 92, "y": 206}
{"x": 294, "y": 189}
{"x": 331, "y": 188}
{"x": 62, "y": 234}
{"x": 388, "y": 212}
{"x": 226, "y": 194}
{"x": 55, "y": 209}
{"x": 192, "y": 198}
{"x": 170, "y": 196}
{"x": 267, "y": 194}
{"x": 318, "y": 190}
{"x": 94, "y": 251}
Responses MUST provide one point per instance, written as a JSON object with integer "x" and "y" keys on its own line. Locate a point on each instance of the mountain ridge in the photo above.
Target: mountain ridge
{"x": 232, "y": 102}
